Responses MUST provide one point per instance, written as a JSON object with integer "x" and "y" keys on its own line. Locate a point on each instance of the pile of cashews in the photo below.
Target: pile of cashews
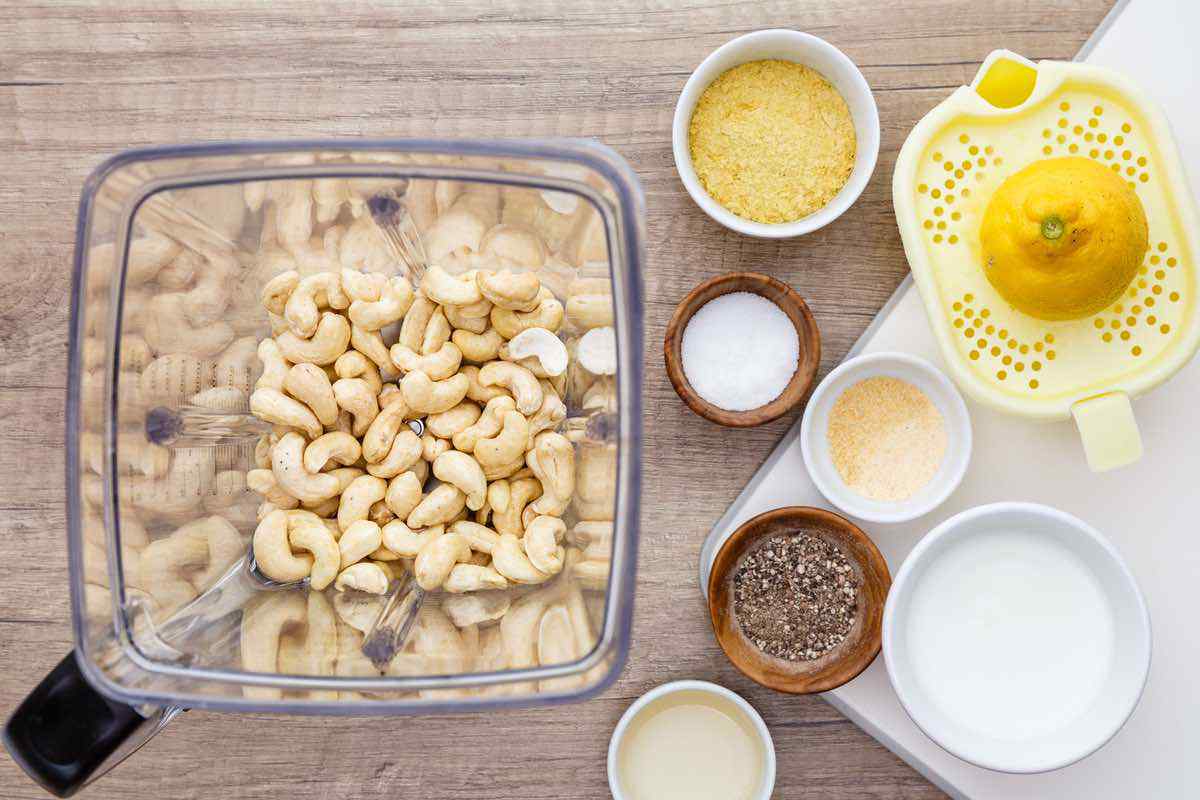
{"x": 503, "y": 508}
{"x": 477, "y": 508}
{"x": 344, "y": 478}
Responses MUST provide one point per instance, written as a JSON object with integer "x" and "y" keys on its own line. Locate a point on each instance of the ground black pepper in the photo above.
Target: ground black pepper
{"x": 795, "y": 596}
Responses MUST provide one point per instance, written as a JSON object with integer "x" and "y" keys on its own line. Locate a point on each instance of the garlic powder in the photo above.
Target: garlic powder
{"x": 887, "y": 439}
{"x": 772, "y": 141}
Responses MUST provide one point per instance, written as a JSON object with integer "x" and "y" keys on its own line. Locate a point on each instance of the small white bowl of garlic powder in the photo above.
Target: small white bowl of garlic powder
{"x": 886, "y": 437}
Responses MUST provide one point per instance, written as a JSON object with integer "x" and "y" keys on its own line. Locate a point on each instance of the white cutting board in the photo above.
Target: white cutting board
{"x": 1150, "y": 510}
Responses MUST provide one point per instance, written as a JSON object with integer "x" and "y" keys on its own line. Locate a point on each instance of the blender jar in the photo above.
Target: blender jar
{"x": 174, "y": 248}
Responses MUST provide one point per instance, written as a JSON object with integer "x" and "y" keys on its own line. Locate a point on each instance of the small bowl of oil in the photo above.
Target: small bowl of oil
{"x": 691, "y": 739}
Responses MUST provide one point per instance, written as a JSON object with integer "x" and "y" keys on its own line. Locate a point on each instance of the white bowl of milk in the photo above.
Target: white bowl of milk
{"x": 1016, "y": 637}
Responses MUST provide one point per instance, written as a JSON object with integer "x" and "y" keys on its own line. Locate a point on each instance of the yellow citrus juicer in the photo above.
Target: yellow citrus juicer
{"x": 1014, "y": 114}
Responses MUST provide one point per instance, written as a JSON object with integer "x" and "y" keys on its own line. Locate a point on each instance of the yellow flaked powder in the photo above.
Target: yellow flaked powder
{"x": 772, "y": 141}
{"x": 886, "y": 438}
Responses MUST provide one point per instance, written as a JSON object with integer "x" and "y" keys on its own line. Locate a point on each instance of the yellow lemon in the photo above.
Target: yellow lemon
{"x": 1063, "y": 238}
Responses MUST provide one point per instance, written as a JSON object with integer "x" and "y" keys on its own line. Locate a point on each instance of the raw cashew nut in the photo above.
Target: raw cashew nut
{"x": 439, "y": 506}
{"x": 365, "y": 576}
{"x": 263, "y": 482}
{"x": 463, "y": 471}
{"x": 458, "y": 230}
{"x": 509, "y": 560}
{"x": 437, "y": 333}
{"x": 360, "y": 540}
{"x": 287, "y": 463}
{"x": 438, "y": 365}
{"x": 481, "y": 538}
{"x": 167, "y": 380}
{"x": 595, "y": 482}
{"x": 475, "y": 609}
{"x": 404, "y": 541}
{"x": 403, "y": 494}
{"x": 381, "y": 515}
{"x": 404, "y": 454}
{"x": 426, "y": 396}
{"x": 345, "y": 476}
{"x": 552, "y": 412}
{"x": 168, "y": 330}
{"x": 274, "y": 406}
{"x": 147, "y": 255}
{"x": 547, "y": 314}
{"x": 395, "y": 298}
{"x": 512, "y": 291}
{"x": 273, "y": 550}
{"x": 330, "y": 341}
{"x": 541, "y": 542}
{"x": 302, "y": 310}
{"x": 263, "y": 622}
{"x": 508, "y": 445}
{"x": 310, "y": 385}
{"x": 519, "y": 628}
{"x": 552, "y": 460}
{"x": 377, "y": 441}
{"x": 459, "y": 320}
{"x": 590, "y": 303}
{"x": 473, "y": 578}
{"x": 309, "y": 533}
{"x": 366, "y": 286}
{"x": 522, "y": 383}
{"x": 432, "y": 447}
{"x": 357, "y": 499}
{"x": 235, "y": 368}
{"x": 508, "y": 517}
{"x": 355, "y": 395}
{"x": 412, "y": 331}
{"x": 556, "y": 645}
{"x": 447, "y": 423}
{"x": 592, "y": 574}
{"x": 353, "y": 364}
{"x": 515, "y": 244}
{"x": 477, "y": 391}
{"x": 597, "y": 351}
{"x": 336, "y": 446}
{"x": 538, "y": 350}
{"x": 479, "y": 347}
{"x": 275, "y": 292}
{"x": 370, "y": 344}
{"x": 437, "y": 558}
{"x": 275, "y": 366}
{"x": 451, "y": 290}
{"x": 489, "y": 423}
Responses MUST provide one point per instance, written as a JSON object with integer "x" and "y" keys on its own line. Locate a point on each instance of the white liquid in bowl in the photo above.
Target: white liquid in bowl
{"x": 1010, "y": 635}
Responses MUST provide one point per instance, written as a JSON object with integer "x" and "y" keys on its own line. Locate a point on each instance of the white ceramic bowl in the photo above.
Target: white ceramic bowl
{"x": 814, "y": 441}
{"x": 639, "y": 705}
{"x": 1117, "y": 696}
{"x": 802, "y": 48}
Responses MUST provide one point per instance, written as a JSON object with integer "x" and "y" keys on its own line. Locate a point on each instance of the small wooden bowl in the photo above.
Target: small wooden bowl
{"x": 781, "y": 295}
{"x": 845, "y": 661}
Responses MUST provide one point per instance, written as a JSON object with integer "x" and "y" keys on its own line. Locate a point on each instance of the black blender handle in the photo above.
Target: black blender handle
{"x": 65, "y": 731}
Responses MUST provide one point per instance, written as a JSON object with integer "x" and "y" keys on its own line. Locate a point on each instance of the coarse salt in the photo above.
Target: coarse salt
{"x": 740, "y": 351}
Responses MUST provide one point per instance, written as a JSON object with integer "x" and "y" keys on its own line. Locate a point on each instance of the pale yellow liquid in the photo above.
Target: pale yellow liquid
{"x": 690, "y": 746}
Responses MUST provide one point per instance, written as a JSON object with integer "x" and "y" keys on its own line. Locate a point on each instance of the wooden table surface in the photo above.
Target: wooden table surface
{"x": 80, "y": 82}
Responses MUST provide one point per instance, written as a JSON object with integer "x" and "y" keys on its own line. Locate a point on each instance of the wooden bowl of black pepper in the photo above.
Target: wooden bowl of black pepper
{"x": 796, "y": 599}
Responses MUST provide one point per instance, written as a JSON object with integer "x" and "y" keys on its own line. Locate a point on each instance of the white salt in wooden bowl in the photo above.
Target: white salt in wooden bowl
{"x": 814, "y": 440}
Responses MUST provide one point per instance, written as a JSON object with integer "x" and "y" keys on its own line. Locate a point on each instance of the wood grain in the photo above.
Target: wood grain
{"x": 790, "y": 302}
{"x": 81, "y": 81}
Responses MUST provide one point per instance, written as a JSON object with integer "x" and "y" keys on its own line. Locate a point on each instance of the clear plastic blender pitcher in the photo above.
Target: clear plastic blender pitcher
{"x": 174, "y": 247}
